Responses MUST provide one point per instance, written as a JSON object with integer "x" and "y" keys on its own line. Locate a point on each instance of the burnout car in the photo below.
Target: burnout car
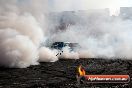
{"x": 61, "y": 45}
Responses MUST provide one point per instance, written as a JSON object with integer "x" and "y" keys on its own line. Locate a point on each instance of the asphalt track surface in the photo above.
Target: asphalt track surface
{"x": 62, "y": 74}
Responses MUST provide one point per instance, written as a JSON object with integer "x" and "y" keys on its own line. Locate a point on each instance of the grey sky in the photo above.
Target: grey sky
{"x": 61, "y": 5}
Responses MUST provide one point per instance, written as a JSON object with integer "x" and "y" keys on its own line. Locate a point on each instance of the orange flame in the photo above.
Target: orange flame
{"x": 81, "y": 71}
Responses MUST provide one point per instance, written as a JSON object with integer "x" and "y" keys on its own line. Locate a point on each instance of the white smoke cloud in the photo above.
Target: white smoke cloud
{"x": 16, "y": 50}
{"x": 67, "y": 54}
{"x": 98, "y": 36}
{"x": 47, "y": 55}
{"x": 22, "y": 30}
{"x": 24, "y": 27}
